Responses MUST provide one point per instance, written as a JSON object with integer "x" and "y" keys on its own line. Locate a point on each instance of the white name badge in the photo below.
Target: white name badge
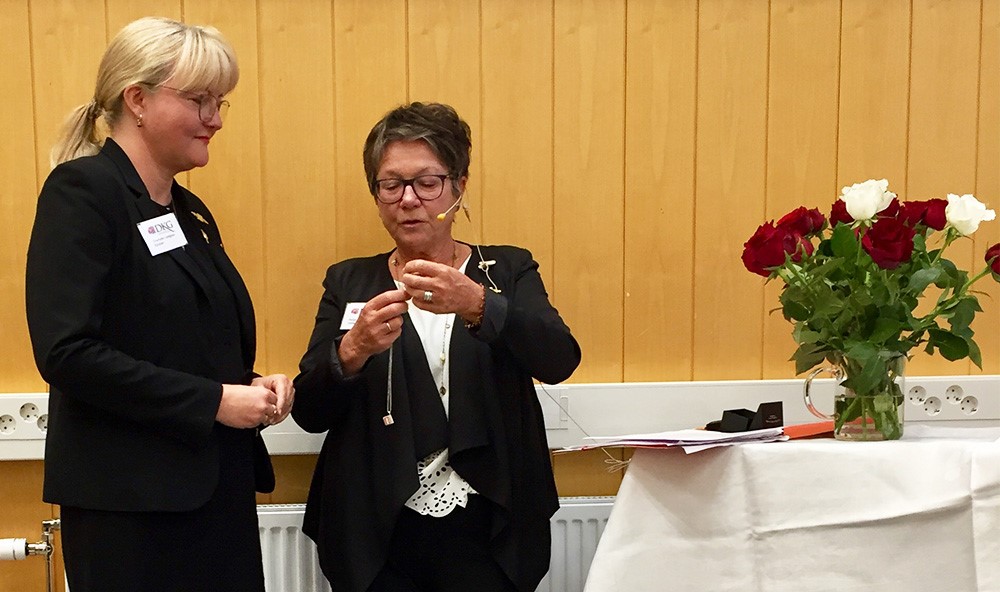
{"x": 162, "y": 234}
{"x": 351, "y": 314}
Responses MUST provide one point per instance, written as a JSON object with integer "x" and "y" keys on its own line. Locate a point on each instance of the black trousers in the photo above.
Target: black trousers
{"x": 215, "y": 548}
{"x": 447, "y": 554}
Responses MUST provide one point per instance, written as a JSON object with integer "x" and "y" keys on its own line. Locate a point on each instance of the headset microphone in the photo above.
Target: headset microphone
{"x": 458, "y": 201}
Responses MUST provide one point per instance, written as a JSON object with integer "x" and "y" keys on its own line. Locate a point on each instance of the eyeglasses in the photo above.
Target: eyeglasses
{"x": 208, "y": 105}
{"x": 425, "y": 187}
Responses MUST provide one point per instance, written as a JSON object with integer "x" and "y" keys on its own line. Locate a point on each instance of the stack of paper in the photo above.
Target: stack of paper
{"x": 689, "y": 440}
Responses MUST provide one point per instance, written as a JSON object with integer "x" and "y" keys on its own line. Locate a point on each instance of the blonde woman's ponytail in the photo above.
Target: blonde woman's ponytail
{"x": 78, "y": 136}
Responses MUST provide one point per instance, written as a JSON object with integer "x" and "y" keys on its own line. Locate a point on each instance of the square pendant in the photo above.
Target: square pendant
{"x": 387, "y": 420}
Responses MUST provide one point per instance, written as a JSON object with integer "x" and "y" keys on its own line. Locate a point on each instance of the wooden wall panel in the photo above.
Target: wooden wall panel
{"x": 231, "y": 183}
{"x": 942, "y": 134}
{"x": 67, "y": 42}
{"x": 988, "y": 181}
{"x": 370, "y": 78}
{"x": 632, "y": 145}
{"x": 801, "y": 137}
{"x": 297, "y": 171}
{"x": 730, "y": 186}
{"x": 588, "y": 220}
{"x": 21, "y": 515}
{"x": 516, "y": 141}
{"x": 444, "y": 67}
{"x": 874, "y": 83}
{"x": 661, "y": 43}
{"x": 17, "y": 197}
{"x": 122, "y": 12}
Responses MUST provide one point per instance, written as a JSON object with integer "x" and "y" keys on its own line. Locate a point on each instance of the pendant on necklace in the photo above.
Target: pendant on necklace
{"x": 387, "y": 420}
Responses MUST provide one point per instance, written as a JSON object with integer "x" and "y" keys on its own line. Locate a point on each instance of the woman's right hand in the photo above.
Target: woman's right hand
{"x": 245, "y": 406}
{"x": 378, "y": 326}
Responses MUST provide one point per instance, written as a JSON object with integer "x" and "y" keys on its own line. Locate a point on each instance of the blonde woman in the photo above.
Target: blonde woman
{"x": 145, "y": 332}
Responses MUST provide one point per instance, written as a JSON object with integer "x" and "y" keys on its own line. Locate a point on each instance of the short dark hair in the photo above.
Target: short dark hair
{"x": 435, "y": 123}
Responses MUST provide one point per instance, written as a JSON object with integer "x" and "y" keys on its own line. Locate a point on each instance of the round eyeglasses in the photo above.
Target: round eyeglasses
{"x": 425, "y": 187}
{"x": 208, "y": 105}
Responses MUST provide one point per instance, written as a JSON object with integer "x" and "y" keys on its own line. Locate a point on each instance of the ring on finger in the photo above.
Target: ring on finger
{"x": 428, "y": 295}
{"x": 388, "y": 327}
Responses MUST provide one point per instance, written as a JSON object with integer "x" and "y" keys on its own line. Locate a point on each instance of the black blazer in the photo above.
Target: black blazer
{"x": 129, "y": 343}
{"x": 496, "y": 435}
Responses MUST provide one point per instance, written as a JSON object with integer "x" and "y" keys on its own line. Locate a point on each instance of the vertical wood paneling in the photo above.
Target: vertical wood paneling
{"x": 444, "y": 68}
{"x": 231, "y": 183}
{"x": 588, "y": 222}
{"x": 20, "y": 482}
{"x": 17, "y": 197}
{"x": 801, "y": 136}
{"x": 297, "y": 150}
{"x": 659, "y": 189}
{"x": 122, "y": 12}
{"x": 988, "y": 181}
{"x": 874, "y": 91}
{"x": 21, "y": 492}
{"x": 370, "y": 78}
{"x": 516, "y": 140}
{"x": 730, "y": 185}
{"x": 632, "y": 145}
{"x": 944, "y": 74}
{"x": 67, "y": 42}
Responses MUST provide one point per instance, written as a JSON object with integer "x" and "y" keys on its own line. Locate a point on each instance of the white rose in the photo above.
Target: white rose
{"x": 964, "y": 213}
{"x": 864, "y": 200}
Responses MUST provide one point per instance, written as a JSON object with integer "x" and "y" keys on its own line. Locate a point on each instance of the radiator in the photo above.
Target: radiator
{"x": 291, "y": 565}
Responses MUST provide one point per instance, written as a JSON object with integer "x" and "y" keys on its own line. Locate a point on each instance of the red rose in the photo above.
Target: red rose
{"x": 890, "y": 210}
{"x": 839, "y": 215}
{"x": 802, "y": 222}
{"x": 769, "y": 245}
{"x": 993, "y": 260}
{"x": 928, "y": 213}
{"x": 889, "y": 242}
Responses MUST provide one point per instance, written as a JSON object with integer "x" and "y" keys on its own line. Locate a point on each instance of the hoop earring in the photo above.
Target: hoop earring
{"x": 138, "y": 120}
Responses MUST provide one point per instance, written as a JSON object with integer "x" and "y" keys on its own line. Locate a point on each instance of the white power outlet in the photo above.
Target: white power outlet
{"x": 953, "y": 398}
{"x": 23, "y": 416}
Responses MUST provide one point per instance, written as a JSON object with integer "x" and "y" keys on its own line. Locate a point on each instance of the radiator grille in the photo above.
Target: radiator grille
{"x": 291, "y": 565}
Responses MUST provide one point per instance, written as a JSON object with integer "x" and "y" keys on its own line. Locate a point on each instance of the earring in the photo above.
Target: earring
{"x": 138, "y": 120}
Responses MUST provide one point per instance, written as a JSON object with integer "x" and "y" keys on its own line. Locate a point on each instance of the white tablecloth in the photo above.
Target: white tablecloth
{"x": 807, "y": 516}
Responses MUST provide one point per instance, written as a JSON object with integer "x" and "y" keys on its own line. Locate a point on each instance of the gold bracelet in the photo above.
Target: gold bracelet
{"x": 479, "y": 317}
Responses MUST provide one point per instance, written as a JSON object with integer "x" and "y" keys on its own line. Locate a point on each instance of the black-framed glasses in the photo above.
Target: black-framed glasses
{"x": 208, "y": 105}
{"x": 425, "y": 187}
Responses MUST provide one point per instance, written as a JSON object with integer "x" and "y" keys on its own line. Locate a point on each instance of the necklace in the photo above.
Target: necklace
{"x": 440, "y": 379}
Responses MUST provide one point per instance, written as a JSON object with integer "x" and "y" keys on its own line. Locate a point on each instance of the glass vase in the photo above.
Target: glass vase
{"x": 872, "y": 414}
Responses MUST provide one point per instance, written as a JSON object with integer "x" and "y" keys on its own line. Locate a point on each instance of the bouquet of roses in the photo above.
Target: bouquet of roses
{"x": 853, "y": 282}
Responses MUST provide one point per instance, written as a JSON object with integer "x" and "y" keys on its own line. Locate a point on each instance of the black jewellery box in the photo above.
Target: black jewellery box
{"x": 768, "y": 415}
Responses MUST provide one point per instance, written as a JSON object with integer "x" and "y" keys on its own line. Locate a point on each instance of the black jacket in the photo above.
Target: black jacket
{"x": 366, "y": 470}
{"x": 130, "y": 343}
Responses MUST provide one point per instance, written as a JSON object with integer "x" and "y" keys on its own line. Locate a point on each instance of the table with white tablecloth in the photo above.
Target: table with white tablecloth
{"x": 920, "y": 514}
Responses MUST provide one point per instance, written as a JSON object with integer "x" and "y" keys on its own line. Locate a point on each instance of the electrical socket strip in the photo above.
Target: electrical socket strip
{"x": 953, "y": 398}
{"x": 610, "y": 409}
{"x": 24, "y": 418}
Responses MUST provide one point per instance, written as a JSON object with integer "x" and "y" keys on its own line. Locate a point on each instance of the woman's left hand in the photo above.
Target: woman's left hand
{"x": 280, "y": 385}
{"x": 441, "y": 289}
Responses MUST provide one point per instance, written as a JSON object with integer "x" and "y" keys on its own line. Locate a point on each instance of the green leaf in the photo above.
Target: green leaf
{"x": 807, "y": 357}
{"x": 974, "y": 354}
{"x": 923, "y": 278}
{"x": 952, "y": 347}
{"x": 843, "y": 242}
{"x": 795, "y": 311}
{"x": 962, "y": 316}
